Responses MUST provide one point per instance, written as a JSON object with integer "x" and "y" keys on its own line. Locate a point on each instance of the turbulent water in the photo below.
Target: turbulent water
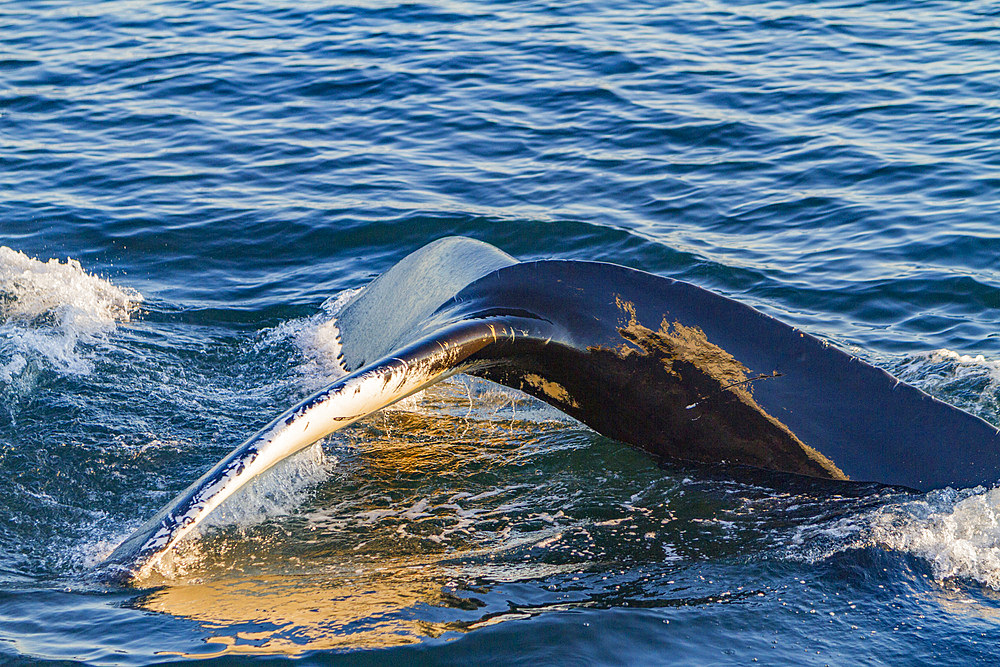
{"x": 189, "y": 189}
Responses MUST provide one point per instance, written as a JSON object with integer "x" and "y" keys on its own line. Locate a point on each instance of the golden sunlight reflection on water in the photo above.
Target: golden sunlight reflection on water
{"x": 292, "y": 614}
{"x": 375, "y": 560}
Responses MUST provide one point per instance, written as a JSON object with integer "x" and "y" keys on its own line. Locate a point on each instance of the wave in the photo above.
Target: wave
{"x": 971, "y": 382}
{"x": 317, "y": 340}
{"x": 956, "y": 532}
{"x": 50, "y": 310}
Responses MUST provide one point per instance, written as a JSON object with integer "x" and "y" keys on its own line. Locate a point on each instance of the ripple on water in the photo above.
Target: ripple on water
{"x": 237, "y": 163}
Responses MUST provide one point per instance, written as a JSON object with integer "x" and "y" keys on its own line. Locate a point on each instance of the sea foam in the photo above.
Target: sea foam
{"x": 971, "y": 382}
{"x": 956, "y": 532}
{"x": 48, "y": 309}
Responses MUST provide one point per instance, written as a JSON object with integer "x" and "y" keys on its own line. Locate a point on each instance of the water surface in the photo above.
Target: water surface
{"x": 220, "y": 171}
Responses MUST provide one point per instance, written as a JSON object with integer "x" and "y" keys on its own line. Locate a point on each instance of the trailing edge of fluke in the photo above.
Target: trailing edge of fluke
{"x": 668, "y": 367}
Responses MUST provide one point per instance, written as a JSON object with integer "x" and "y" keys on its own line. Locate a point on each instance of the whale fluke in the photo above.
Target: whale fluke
{"x": 658, "y": 363}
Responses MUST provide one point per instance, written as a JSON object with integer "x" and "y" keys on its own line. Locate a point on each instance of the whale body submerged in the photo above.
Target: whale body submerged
{"x": 663, "y": 365}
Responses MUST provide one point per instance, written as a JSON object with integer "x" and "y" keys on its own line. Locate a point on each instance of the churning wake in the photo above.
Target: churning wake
{"x": 955, "y": 531}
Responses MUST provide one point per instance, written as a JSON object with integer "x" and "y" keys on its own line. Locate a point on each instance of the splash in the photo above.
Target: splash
{"x": 279, "y": 491}
{"x": 317, "y": 340}
{"x": 956, "y": 532}
{"x": 49, "y": 309}
{"x": 971, "y": 382}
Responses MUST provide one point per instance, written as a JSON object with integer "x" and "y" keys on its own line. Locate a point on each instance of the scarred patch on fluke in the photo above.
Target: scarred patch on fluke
{"x": 715, "y": 389}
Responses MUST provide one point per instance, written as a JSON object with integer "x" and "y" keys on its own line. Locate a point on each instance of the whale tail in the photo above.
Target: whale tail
{"x": 663, "y": 365}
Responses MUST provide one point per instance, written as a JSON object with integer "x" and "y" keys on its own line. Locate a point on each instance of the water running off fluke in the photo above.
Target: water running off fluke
{"x": 663, "y": 365}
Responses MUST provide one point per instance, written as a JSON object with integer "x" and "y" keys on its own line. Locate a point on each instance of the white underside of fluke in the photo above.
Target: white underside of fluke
{"x": 344, "y": 402}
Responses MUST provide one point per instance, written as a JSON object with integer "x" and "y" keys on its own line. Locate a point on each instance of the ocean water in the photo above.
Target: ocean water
{"x": 187, "y": 188}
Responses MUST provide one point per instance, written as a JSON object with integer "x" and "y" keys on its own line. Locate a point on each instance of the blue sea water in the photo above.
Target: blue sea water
{"x": 219, "y": 172}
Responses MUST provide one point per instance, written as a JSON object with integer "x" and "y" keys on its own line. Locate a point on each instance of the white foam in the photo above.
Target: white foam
{"x": 47, "y": 309}
{"x": 971, "y": 382}
{"x": 317, "y": 339}
{"x": 956, "y": 532}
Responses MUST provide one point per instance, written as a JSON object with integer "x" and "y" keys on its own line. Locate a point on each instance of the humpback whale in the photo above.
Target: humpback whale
{"x": 678, "y": 371}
